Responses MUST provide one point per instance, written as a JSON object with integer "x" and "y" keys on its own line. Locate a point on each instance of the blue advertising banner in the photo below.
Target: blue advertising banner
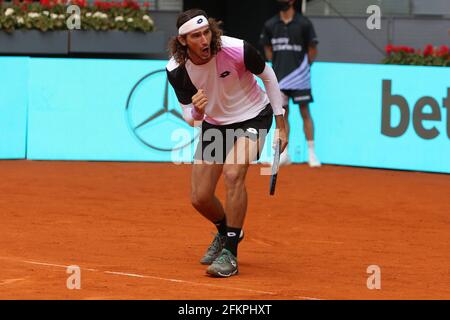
{"x": 382, "y": 116}
{"x": 125, "y": 110}
{"x": 111, "y": 110}
{"x": 13, "y": 107}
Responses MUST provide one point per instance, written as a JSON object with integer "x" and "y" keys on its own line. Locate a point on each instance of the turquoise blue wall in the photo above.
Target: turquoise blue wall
{"x": 87, "y": 109}
{"x": 13, "y": 107}
{"x": 348, "y": 113}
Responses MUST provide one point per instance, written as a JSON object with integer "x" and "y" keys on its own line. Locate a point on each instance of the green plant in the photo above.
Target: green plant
{"x": 430, "y": 56}
{"x": 49, "y": 15}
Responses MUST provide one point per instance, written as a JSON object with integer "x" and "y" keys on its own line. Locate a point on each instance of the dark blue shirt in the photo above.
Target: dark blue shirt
{"x": 290, "y": 44}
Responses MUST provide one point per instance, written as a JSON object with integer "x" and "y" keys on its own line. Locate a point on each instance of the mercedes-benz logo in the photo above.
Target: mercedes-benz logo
{"x": 150, "y": 124}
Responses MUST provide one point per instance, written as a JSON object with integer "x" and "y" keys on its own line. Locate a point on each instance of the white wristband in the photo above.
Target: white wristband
{"x": 196, "y": 115}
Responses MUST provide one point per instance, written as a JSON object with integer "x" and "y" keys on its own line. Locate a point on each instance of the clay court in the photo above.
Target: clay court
{"x": 131, "y": 229}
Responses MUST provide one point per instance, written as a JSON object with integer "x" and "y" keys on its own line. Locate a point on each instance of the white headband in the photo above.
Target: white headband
{"x": 193, "y": 24}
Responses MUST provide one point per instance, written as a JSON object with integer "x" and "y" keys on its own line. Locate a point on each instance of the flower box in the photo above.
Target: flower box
{"x": 34, "y": 42}
{"x": 121, "y": 42}
{"x": 430, "y": 56}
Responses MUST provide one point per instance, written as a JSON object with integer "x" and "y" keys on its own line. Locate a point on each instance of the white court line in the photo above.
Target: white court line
{"x": 156, "y": 278}
{"x": 54, "y": 265}
{"x": 126, "y": 274}
{"x": 45, "y": 264}
{"x": 306, "y": 298}
{"x": 188, "y": 282}
{"x": 9, "y": 281}
{"x": 134, "y": 275}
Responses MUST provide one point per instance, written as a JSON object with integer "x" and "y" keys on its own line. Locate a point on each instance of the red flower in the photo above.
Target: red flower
{"x": 47, "y": 3}
{"x": 131, "y": 4}
{"x": 428, "y": 51}
{"x": 395, "y": 49}
{"x": 104, "y": 5}
{"x": 405, "y": 49}
{"x": 80, "y": 3}
{"x": 443, "y": 51}
{"x": 389, "y": 49}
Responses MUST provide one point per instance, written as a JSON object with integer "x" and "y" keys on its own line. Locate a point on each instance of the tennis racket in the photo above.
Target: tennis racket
{"x": 275, "y": 166}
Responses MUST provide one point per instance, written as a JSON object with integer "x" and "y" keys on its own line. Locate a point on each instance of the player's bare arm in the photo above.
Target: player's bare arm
{"x": 312, "y": 53}
{"x": 268, "y": 52}
{"x": 273, "y": 92}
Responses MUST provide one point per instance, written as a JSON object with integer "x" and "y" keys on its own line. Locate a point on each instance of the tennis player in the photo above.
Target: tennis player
{"x": 213, "y": 78}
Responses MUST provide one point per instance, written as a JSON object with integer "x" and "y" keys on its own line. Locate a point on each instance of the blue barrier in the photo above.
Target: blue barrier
{"x": 350, "y": 116}
{"x": 86, "y": 109}
{"x": 124, "y": 110}
{"x": 13, "y": 107}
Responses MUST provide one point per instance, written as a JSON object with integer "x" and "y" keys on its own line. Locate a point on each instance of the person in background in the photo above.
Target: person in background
{"x": 290, "y": 42}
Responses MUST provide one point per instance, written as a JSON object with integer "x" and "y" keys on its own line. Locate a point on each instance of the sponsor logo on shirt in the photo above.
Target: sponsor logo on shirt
{"x": 225, "y": 74}
{"x": 282, "y": 44}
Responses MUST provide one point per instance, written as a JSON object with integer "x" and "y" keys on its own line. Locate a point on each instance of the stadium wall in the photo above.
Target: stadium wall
{"x": 379, "y": 116}
{"x": 13, "y": 107}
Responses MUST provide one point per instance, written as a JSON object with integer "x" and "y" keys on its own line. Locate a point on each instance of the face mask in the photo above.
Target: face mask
{"x": 283, "y": 5}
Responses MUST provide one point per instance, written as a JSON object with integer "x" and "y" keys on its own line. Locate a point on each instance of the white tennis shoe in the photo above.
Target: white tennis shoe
{"x": 314, "y": 161}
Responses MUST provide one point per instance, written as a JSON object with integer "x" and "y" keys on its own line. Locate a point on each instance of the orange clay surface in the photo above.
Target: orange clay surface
{"x": 131, "y": 229}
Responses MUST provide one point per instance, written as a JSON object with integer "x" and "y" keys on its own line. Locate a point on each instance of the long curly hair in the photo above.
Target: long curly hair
{"x": 180, "y": 52}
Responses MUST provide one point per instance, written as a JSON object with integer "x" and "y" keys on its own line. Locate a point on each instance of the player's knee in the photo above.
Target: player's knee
{"x": 200, "y": 199}
{"x": 233, "y": 176}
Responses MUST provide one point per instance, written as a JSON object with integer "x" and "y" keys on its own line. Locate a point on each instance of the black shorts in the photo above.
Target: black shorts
{"x": 216, "y": 141}
{"x": 299, "y": 96}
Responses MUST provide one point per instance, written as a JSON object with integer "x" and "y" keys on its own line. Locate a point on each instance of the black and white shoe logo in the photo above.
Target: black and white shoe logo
{"x": 225, "y": 74}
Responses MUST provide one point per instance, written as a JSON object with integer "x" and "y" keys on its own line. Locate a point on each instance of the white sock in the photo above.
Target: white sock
{"x": 310, "y": 146}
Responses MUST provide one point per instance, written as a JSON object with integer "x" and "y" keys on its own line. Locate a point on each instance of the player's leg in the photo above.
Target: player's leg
{"x": 245, "y": 150}
{"x": 308, "y": 128}
{"x": 203, "y": 186}
{"x": 235, "y": 170}
{"x": 245, "y": 146}
{"x": 234, "y": 174}
{"x": 203, "y": 198}
{"x": 206, "y": 172}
